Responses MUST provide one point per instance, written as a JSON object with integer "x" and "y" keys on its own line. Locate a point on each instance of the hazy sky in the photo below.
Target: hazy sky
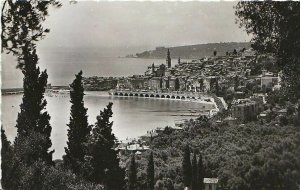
{"x": 142, "y": 24}
{"x": 121, "y": 28}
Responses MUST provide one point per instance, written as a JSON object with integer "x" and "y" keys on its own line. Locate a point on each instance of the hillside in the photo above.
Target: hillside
{"x": 194, "y": 51}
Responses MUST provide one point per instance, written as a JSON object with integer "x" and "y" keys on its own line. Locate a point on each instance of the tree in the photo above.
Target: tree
{"x": 132, "y": 179}
{"x": 234, "y": 52}
{"x": 104, "y": 156}
{"x": 6, "y": 157}
{"x": 201, "y": 173}
{"x": 215, "y": 53}
{"x": 187, "y": 167}
{"x": 22, "y": 26}
{"x": 33, "y": 119}
{"x": 79, "y": 129}
{"x": 150, "y": 172}
{"x": 236, "y": 82}
{"x": 195, "y": 185}
{"x": 274, "y": 27}
{"x": 177, "y": 84}
{"x": 21, "y": 29}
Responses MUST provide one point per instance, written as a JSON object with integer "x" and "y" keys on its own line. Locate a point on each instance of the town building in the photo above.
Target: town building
{"x": 245, "y": 109}
{"x": 210, "y": 183}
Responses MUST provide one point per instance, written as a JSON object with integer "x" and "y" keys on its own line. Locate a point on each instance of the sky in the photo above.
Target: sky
{"x": 121, "y": 28}
{"x": 142, "y": 24}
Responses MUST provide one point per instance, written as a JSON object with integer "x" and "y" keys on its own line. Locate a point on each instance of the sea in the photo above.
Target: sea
{"x": 132, "y": 116}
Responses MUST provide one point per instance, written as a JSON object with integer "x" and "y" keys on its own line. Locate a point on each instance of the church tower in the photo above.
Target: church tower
{"x": 169, "y": 59}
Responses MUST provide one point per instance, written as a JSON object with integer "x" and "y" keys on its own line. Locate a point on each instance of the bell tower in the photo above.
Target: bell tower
{"x": 168, "y": 59}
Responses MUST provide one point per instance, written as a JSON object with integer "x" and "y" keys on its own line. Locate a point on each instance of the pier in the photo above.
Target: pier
{"x": 12, "y": 91}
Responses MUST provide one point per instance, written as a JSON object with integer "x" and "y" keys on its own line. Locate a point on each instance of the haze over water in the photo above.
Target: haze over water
{"x": 63, "y": 63}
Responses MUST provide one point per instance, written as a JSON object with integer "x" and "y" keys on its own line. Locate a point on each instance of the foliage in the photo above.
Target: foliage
{"x": 6, "y": 155}
{"x": 201, "y": 173}
{"x": 242, "y": 157}
{"x": 33, "y": 118}
{"x": 79, "y": 129}
{"x": 274, "y": 27}
{"x": 105, "y": 163}
{"x": 22, "y": 25}
{"x": 132, "y": 178}
{"x": 186, "y": 167}
{"x": 150, "y": 172}
{"x": 21, "y": 29}
{"x": 195, "y": 182}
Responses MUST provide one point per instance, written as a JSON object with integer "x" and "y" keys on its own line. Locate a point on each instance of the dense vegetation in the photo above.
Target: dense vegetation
{"x": 275, "y": 28}
{"x": 251, "y": 156}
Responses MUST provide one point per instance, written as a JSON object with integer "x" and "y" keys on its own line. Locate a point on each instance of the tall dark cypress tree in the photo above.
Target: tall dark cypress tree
{"x": 177, "y": 84}
{"x": 150, "y": 172}
{"x": 201, "y": 172}
{"x": 22, "y": 28}
{"x": 79, "y": 129}
{"x": 105, "y": 161}
{"x": 33, "y": 120}
{"x": 6, "y": 157}
{"x": 132, "y": 179}
{"x": 187, "y": 167}
{"x": 195, "y": 184}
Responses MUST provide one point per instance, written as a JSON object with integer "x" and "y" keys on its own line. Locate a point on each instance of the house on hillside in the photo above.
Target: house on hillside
{"x": 132, "y": 148}
{"x": 210, "y": 183}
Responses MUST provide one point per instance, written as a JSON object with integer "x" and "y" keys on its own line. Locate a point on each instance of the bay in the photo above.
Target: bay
{"x": 63, "y": 63}
{"x": 133, "y": 116}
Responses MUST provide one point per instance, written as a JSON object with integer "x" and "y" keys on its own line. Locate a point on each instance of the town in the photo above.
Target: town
{"x": 239, "y": 84}
{"x": 239, "y": 80}
{"x": 216, "y": 105}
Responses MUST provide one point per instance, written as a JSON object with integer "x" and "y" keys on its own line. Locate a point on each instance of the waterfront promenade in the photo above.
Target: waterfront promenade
{"x": 163, "y": 95}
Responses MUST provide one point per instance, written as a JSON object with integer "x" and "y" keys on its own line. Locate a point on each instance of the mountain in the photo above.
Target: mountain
{"x": 194, "y": 51}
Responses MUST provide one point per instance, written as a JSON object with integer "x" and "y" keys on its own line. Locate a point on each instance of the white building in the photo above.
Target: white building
{"x": 210, "y": 183}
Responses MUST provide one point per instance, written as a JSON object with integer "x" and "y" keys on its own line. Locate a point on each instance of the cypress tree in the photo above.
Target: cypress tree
{"x": 6, "y": 157}
{"x": 132, "y": 179}
{"x": 33, "y": 120}
{"x": 79, "y": 130}
{"x": 105, "y": 160}
{"x": 177, "y": 84}
{"x": 186, "y": 167}
{"x": 22, "y": 27}
{"x": 150, "y": 172}
{"x": 195, "y": 183}
{"x": 201, "y": 172}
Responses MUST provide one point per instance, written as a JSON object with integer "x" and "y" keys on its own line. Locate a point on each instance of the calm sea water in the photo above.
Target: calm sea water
{"x": 132, "y": 116}
{"x": 63, "y": 63}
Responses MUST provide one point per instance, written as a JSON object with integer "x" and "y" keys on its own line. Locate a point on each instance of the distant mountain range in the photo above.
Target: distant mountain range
{"x": 193, "y": 51}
